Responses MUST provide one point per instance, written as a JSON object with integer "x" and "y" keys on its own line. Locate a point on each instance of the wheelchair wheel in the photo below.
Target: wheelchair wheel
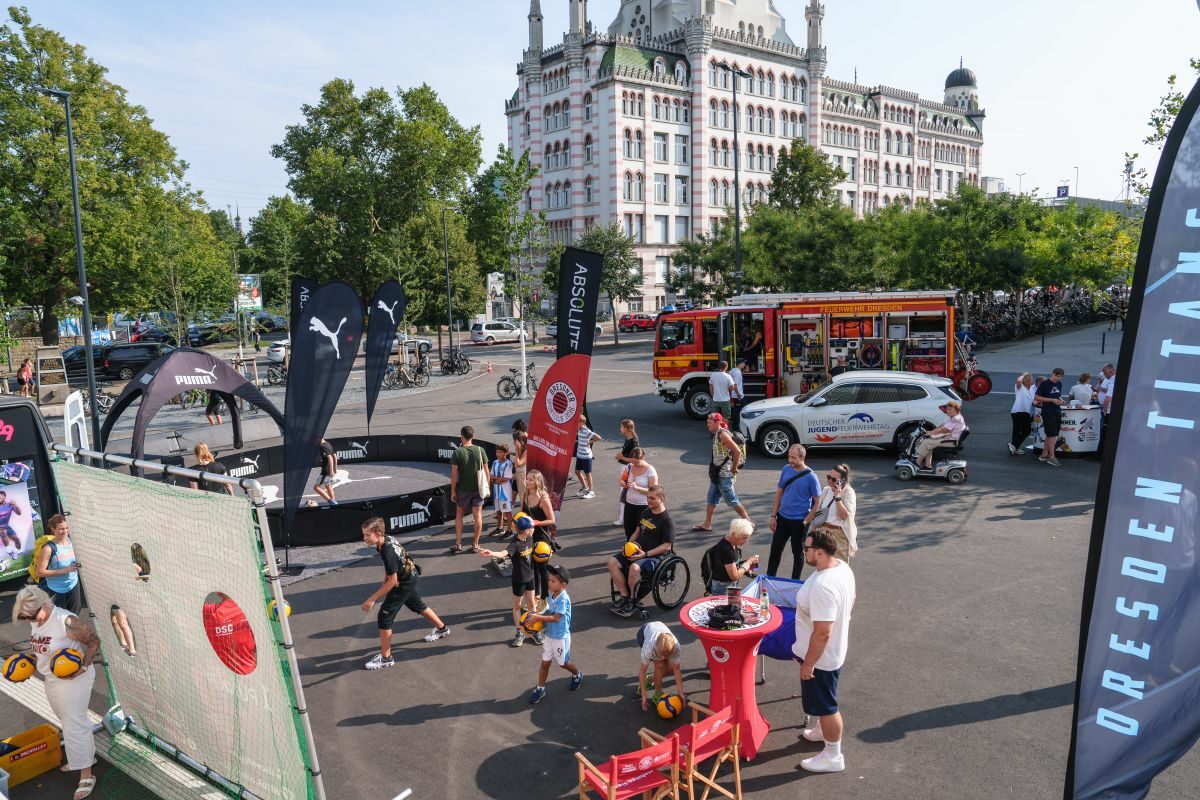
{"x": 671, "y": 582}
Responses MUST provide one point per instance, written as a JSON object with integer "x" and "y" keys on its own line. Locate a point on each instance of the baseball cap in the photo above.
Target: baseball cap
{"x": 562, "y": 572}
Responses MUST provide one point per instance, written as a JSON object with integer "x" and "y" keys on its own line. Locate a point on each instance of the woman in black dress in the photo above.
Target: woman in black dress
{"x": 535, "y": 501}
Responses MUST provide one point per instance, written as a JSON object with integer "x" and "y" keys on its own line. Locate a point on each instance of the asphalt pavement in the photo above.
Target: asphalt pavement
{"x": 959, "y": 681}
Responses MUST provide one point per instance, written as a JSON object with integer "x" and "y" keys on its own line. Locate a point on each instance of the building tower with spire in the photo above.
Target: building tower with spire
{"x": 634, "y": 123}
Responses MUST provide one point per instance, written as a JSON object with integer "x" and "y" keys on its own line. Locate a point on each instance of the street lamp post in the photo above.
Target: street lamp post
{"x": 86, "y": 328}
{"x": 449, "y": 300}
{"x": 1077, "y": 182}
{"x": 737, "y": 185}
{"x": 1020, "y": 183}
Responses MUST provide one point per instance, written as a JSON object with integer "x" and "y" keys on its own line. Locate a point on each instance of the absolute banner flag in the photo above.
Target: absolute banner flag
{"x": 578, "y": 295}
{"x": 325, "y": 341}
{"x": 385, "y": 311}
{"x": 554, "y": 420}
{"x": 1138, "y": 683}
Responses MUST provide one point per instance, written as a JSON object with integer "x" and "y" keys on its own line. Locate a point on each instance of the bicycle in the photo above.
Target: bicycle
{"x": 277, "y": 375}
{"x": 456, "y": 363}
{"x": 104, "y": 402}
{"x": 508, "y": 388}
{"x": 191, "y": 398}
{"x": 402, "y": 376}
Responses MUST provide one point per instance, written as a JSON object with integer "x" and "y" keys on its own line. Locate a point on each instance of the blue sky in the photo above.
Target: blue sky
{"x": 1066, "y": 83}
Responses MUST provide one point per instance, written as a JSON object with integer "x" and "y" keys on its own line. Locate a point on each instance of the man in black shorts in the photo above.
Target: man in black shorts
{"x": 654, "y": 538}
{"x": 1048, "y": 399}
{"x": 399, "y": 588}
{"x": 324, "y": 486}
{"x": 212, "y": 411}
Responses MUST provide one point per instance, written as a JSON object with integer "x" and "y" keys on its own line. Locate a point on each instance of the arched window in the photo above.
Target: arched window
{"x": 567, "y": 153}
{"x": 887, "y": 174}
{"x": 587, "y": 69}
{"x": 771, "y": 121}
{"x": 680, "y": 71}
{"x": 762, "y": 161}
{"x": 803, "y": 91}
{"x": 567, "y": 114}
{"x": 638, "y": 152}
{"x": 628, "y": 144}
{"x": 627, "y": 192}
{"x": 557, "y": 116}
{"x": 762, "y": 119}
{"x": 566, "y": 194}
{"x": 724, "y": 154}
{"x": 587, "y": 107}
{"x": 887, "y": 141}
{"x": 556, "y": 161}
{"x": 657, "y": 108}
{"x": 726, "y": 197}
{"x": 639, "y": 187}
{"x": 712, "y": 73}
{"x": 687, "y": 111}
{"x": 908, "y": 177}
{"x": 588, "y": 149}
{"x": 749, "y": 164}
{"x": 641, "y": 105}
{"x": 761, "y": 84}
{"x": 547, "y": 118}
{"x": 675, "y": 115}
{"x": 713, "y": 153}
{"x": 724, "y": 114}
{"x": 526, "y": 124}
{"x": 546, "y": 158}
{"x": 714, "y": 192}
{"x": 549, "y": 198}
{"x": 908, "y": 144}
{"x": 760, "y": 31}
{"x": 712, "y": 113}
{"x": 749, "y": 118}
{"x": 770, "y": 159}
{"x": 660, "y": 68}
{"x": 770, "y": 84}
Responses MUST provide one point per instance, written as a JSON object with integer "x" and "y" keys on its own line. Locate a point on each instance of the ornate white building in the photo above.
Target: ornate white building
{"x": 636, "y": 124}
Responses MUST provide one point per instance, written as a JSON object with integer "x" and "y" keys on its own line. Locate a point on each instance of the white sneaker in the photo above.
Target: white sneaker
{"x": 813, "y": 734}
{"x": 1019, "y": 452}
{"x": 438, "y": 633}
{"x": 588, "y": 495}
{"x": 1012, "y": 451}
{"x": 823, "y": 762}
{"x": 618, "y": 522}
{"x": 379, "y": 662}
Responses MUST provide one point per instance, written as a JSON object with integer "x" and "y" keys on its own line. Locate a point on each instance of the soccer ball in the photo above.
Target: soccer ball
{"x": 66, "y": 662}
{"x": 19, "y": 667}
{"x": 670, "y": 706}
{"x": 274, "y": 610}
{"x": 542, "y": 552}
{"x": 530, "y": 626}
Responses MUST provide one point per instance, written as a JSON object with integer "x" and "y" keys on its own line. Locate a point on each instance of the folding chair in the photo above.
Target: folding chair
{"x": 631, "y": 774}
{"x": 716, "y": 737}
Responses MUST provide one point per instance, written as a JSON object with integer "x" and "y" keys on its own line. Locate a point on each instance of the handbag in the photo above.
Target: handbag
{"x": 483, "y": 477}
{"x": 821, "y": 516}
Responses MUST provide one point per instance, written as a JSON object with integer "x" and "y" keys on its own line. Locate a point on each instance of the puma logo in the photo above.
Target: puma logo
{"x": 390, "y": 311}
{"x": 212, "y": 373}
{"x": 361, "y": 445}
{"x": 425, "y": 507}
{"x": 317, "y": 326}
{"x": 253, "y": 461}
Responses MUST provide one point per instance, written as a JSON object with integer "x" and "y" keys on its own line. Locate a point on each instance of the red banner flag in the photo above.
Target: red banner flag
{"x": 554, "y": 422}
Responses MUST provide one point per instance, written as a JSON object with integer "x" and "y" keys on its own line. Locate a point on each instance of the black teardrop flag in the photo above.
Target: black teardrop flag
{"x": 385, "y": 311}
{"x": 1138, "y": 682}
{"x": 325, "y": 341}
{"x": 302, "y": 291}
{"x": 578, "y": 295}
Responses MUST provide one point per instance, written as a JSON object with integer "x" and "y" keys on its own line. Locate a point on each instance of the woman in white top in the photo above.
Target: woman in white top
{"x": 52, "y": 629}
{"x": 1081, "y": 393}
{"x": 637, "y": 477}
{"x": 840, "y": 499}
{"x": 660, "y": 653}
{"x": 1022, "y": 413}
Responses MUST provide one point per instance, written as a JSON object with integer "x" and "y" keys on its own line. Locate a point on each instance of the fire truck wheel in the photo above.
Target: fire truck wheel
{"x": 697, "y": 402}
{"x": 775, "y": 440}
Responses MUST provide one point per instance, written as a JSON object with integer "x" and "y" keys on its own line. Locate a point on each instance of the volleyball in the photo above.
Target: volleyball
{"x": 542, "y": 552}
{"x": 631, "y": 549}
{"x": 18, "y": 668}
{"x": 66, "y": 662}
{"x": 522, "y": 521}
{"x": 530, "y": 626}
{"x": 670, "y": 706}
{"x": 274, "y": 609}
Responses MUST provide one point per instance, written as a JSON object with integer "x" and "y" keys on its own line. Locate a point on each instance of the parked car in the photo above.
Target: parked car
{"x": 277, "y": 352}
{"x": 864, "y": 407}
{"x": 552, "y": 330}
{"x": 126, "y": 360}
{"x": 155, "y": 335}
{"x": 493, "y": 332}
{"x": 635, "y": 322}
{"x": 269, "y": 322}
{"x": 75, "y": 362}
{"x": 420, "y": 342}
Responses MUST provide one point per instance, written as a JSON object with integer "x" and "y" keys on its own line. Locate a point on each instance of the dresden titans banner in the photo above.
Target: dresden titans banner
{"x": 1137, "y": 701}
{"x": 302, "y": 290}
{"x": 386, "y": 309}
{"x": 554, "y": 422}
{"x": 578, "y": 293}
{"x": 325, "y": 341}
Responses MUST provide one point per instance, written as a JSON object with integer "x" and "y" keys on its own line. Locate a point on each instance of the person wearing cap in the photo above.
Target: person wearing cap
{"x": 520, "y": 554}
{"x": 557, "y": 645}
{"x": 949, "y": 431}
{"x": 722, "y": 471}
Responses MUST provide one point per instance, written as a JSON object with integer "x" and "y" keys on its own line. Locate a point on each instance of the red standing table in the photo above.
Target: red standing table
{"x": 731, "y": 659}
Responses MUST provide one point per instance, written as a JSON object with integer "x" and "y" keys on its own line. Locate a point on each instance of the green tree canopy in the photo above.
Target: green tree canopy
{"x": 804, "y": 177}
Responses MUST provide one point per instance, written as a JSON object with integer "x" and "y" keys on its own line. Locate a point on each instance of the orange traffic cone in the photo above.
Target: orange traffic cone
{"x": 489, "y": 367}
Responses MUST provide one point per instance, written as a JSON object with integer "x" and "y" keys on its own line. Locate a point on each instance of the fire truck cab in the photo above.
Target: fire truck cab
{"x": 793, "y": 342}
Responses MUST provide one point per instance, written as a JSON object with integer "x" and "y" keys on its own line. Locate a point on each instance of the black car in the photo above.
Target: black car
{"x": 75, "y": 361}
{"x": 126, "y": 360}
{"x": 147, "y": 335}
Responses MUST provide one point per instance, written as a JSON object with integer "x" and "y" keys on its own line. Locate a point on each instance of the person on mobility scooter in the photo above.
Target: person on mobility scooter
{"x": 945, "y": 441}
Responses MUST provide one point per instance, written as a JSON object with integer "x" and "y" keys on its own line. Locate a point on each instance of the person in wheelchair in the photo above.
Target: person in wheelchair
{"x": 654, "y": 538}
{"x": 945, "y": 435}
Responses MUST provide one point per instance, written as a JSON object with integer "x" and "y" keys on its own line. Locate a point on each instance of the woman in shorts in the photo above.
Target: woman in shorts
{"x": 25, "y": 378}
{"x": 660, "y": 651}
{"x": 535, "y": 501}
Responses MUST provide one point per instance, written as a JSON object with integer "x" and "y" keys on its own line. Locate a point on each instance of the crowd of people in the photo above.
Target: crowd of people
{"x": 1046, "y": 398}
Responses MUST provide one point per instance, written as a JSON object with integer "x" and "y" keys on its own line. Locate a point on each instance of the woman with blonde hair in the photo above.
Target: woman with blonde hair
{"x": 51, "y": 630}
{"x": 1022, "y": 413}
{"x": 535, "y": 501}
{"x": 659, "y": 648}
{"x": 206, "y": 462}
{"x": 629, "y": 431}
{"x": 836, "y": 508}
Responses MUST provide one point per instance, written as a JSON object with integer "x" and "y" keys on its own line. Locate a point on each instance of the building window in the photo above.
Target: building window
{"x": 638, "y": 152}
{"x": 588, "y": 191}
{"x": 713, "y": 153}
{"x": 681, "y": 190}
{"x": 660, "y": 147}
{"x": 714, "y": 195}
{"x": 639, "y": 188}
{"x": 635, "y": 305}
{"x": 724, "y": 154}
{"x": 852, "y": 169}
{"x": 681, "y": 149}
{"x": 724, "y": 114}
{"x": 587, "y": 107}
{"x": 683, "y": 226}
{"x": 851, "y": 201}
{"x": 627, "y": 144}
{"x": 588, "y": 149}
{"x": 662, "y": 270}
{"x": 627, "y": 193}
{"x": 662, "y": 228}
{"x": 660, "y": 188}
{"x": 713, "y": 73}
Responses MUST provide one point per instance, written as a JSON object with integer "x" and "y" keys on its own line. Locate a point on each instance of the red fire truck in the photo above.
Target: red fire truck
{"x": 793, "y": 342}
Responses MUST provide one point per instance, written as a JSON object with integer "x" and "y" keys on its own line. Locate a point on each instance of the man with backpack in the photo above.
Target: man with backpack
{"x": 797, "y": 493}
{"x": 468, "y": 487}
{"x": 399, "y": 588}
{"x": 728, "y": 456}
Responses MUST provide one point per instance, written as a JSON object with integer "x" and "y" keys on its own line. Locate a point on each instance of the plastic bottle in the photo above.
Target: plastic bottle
{"x": 764, "y": 605}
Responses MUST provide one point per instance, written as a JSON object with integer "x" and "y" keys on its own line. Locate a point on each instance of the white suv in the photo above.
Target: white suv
{"x": 877, "y": 408}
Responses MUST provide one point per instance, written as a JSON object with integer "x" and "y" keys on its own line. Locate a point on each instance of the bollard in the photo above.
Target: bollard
{"x": 1043, "y": 342}
{"x": 1103, "y": 334}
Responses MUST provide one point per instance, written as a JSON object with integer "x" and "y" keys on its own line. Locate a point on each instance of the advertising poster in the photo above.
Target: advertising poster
{"x": 20, "y": 522}
{"x": 249, "y": 296}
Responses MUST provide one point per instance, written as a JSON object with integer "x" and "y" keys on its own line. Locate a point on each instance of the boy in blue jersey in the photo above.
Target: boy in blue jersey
{"x": 557, "y": 645}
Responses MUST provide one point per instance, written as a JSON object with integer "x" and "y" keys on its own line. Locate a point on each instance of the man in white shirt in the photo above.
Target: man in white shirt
{"x": 722, "y": 389}
{"x": 736, "y": 374}
{"x": 823, "y": 606}
{"x": 1104, "y": 395}
{"x": 949, "y": 431}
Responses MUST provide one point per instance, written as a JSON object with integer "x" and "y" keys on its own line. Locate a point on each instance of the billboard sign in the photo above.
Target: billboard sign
{"x": 249, "y": 294}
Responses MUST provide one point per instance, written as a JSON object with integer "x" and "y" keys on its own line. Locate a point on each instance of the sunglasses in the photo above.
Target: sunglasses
{"x": 27, "y": 618}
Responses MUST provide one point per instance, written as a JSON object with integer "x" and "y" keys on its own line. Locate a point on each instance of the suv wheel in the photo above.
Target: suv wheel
{"x": 776, "y": 439}
{"x": 125, "y": 373}
{"x": 697, "y": 402}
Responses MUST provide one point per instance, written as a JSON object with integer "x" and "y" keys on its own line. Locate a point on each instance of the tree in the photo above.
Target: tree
{"x": 369, "y": 165}
{"x": 123, "y": 166}
{"x": 274, "y": 241}
{"x": 804, "y": 177}
{"x": 621, "y": 278}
